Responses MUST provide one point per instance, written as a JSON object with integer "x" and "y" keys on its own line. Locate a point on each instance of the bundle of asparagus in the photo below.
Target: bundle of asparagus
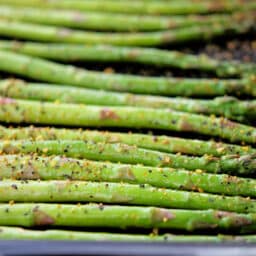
{"x": 58, "y": 177}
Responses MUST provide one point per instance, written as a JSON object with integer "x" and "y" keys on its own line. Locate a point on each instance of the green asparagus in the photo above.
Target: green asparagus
{"x": 149, "y": 56}
{"x": 158, "y": 143}
{"x": 98, "y": 215}
{"x": 53, "y": 234}
{"x": 60, "y": 191}
{"x": 245, "y": 165}
{"x": 38, "y": 173}
{"x": 24, "y": 111}
{"x": 228, "y": 107}
{"x": 106, "y": 21}
{"x": 138, "y": 7}
{"x": 24, "y": 234}
{"x": 48, "y": 71}
{"x": 44, "y": 33}
{"x": 59, "y": 168}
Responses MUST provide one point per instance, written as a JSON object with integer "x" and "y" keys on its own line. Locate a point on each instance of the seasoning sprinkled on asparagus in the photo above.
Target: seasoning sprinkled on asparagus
{"x": 33, "y": 112}
{"x": 245, "y": 165}
{"x": 228, "y": 107}
{"x": 61, "y": 168}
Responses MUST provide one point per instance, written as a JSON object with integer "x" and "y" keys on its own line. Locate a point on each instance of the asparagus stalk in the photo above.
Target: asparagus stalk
{"x": 158, "y": 143}
{"x": 132, "y": 155}
{"x": 24, "y": 111}
{"x": 149, "y": 56}
{"x": 44, "y": 33}
{"x": 18, "y": 233}
{"x": 43, "y": 70}
{"x": 59, "y": 168}
{"x": 24, "y": 234}
{"x": 138, "y": 7}
{"x": 91, "y": 215}
{"x": 228, "y": 107}
{"x": 115, "y": 193}
{"x": 106, "y": 21}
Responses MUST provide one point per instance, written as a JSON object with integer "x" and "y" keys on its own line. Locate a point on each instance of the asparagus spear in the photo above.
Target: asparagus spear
{"x": 158, "y": 143}
{"x": 48, "y": 71}
{"x": 24, "y": 111}
{"x": 18, "y": 233}
{"x": 138, "y": 7}
{"x": 24, "y": 234}
{"x": 132, "y": 155}
{"x": 149, "y": 56}
{"x": 116, "y": 193}
{"x": 29, "y": 66}
{"x": 44, "y": 33}
{"x": 93, "y": 215}
{"x": 59, "y": 168}
{"x": 106, "y": 21}
{"x": 229, "y": 107}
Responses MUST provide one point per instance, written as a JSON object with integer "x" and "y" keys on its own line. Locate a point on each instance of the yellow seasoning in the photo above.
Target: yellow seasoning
{"x": 11, "y": 202}
{"x": 45, "y": 150}
{"x": 199, "y": 171}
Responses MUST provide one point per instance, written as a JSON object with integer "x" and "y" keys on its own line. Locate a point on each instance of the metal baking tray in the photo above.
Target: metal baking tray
{"x": 50, "y": 248}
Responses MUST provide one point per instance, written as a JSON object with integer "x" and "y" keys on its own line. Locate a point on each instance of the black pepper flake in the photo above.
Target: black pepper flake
{"x": 66, "y": 176}
{"x": 165, "y": 238}
{"x": 249, "y": 133}
{"x": 155, "y": 139}
{"x": 14, "y": 186}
